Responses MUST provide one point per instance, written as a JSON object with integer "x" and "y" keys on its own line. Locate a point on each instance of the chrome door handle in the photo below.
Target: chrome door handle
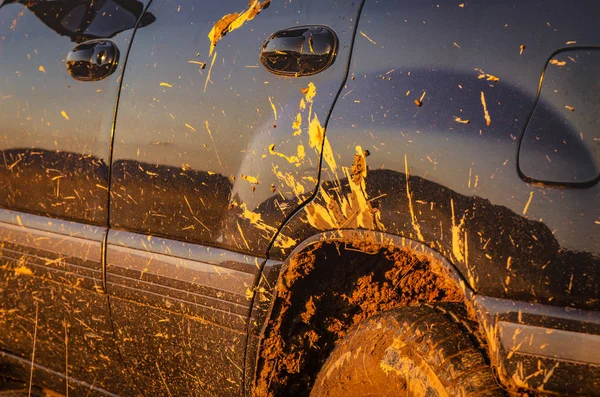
{"x": 93, "y": 60}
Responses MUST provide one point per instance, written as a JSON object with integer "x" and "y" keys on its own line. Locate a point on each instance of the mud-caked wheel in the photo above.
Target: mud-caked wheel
{"x": 412, "y": 351}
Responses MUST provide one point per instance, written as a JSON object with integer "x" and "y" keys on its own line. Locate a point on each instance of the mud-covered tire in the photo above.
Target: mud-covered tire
{"x": 411, "y": 351}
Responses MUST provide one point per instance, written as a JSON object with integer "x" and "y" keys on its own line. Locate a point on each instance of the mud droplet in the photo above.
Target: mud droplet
{"x": 23, "y": 271}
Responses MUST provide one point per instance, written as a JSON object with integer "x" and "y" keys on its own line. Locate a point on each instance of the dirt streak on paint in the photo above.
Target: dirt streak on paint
{"x": 528, "y": 203}
{"x": 274, "y": 108}
{"x": 210, "y": 71}
{"x": 413, "y": 217}
{"x": 486, "y": 114}
{"x": 368, "y": 38}
{"x": 460, "y": 248}
{"x": 212, "y": 140}
{"x": 257, "y": 221}
{"x": 316, "y": 133}
{"x": 457, "y": 233}
{"x": 297, "y": 125}
{"x": 242, "y": 235}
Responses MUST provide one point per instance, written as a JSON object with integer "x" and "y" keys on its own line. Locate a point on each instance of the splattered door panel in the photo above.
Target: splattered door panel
{"x": 55, "y": 138}
{"x": 56, "y": 130}
{"x": 215, "y": 150}
{"x": 211, "y": 147}
{"x": 430, "y": 142}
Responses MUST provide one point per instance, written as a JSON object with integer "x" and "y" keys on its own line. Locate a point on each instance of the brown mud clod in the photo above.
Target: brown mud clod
{"x": 235, "y": 20}
{"x": 327, "y": 289}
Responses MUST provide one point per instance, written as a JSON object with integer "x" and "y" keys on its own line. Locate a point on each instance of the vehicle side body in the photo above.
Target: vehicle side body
{"x": 148, "y": 218}
{"x": 440, "y": 173}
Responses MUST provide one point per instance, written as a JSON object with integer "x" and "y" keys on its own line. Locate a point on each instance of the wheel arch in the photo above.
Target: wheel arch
{"x": 274, "y": 283}
{"x": 382, "y": 239}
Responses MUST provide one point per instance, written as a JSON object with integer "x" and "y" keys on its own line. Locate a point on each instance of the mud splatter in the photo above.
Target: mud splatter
{"x": 353, "y": 210}
{"x": 210, "y": 71}
{"x": 206, "y": 124}
{"x": 289, "y": 179}
{"x": 557, "y": 62}
{"x": 522, "y": 48}
{"x": 486, "y": 114}
{"x": 413, "y": 216}
{"x": 316, "y": 305}
{"x": 318, "y": 141}
{"x": 274, "y": 108}
{"x": 293, "y": 159}
{"x": 368, "y": 38}
{"x": 256, "y": 220}
{"x": 486, "y": 76}
{"x": 315, "y": 131}
{"x": 249, "y": 178}
{"x": 419, "y": 101}
{"x": 234, "y": 21}
{"x": 528, "y": 203}
{"x": 23, "y": 270}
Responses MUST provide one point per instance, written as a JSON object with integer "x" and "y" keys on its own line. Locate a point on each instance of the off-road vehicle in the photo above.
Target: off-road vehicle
{"x": 299, "y": 197}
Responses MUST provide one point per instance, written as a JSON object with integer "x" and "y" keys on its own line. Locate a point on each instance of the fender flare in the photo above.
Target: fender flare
{"x": 273, "y": 270}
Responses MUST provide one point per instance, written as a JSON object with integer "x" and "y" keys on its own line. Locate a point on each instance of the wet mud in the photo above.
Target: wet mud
{"x": 324, "y": 292}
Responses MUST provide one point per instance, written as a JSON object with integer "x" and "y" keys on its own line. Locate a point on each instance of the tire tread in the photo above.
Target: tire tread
{"x": 439, "y": 337}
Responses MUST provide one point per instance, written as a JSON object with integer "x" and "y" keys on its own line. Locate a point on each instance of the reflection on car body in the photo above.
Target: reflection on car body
{"x": 240, "y": 198}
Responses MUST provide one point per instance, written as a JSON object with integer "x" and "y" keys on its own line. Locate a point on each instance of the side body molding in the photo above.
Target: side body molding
{"x": 51, "y": 287}
{"x": 180, "y": 312}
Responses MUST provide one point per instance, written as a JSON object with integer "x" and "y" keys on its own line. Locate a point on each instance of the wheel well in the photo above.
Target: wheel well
{"x": 330, "y": 286}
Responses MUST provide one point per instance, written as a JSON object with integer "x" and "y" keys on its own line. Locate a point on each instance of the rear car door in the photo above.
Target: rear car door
{"x": 55, "y": 142}
{"x": 212, "y": 153}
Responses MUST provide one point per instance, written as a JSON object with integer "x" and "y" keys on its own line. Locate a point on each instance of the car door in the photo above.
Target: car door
{"x": 212, "y": 153}
{"x": 55, "y": 141}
